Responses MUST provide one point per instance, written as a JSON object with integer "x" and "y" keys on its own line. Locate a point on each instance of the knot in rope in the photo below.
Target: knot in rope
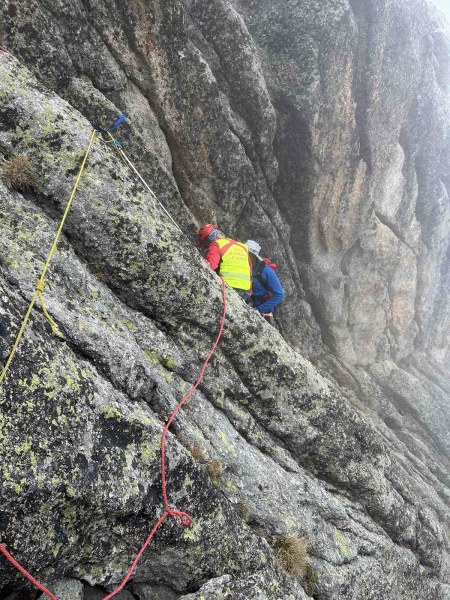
{"x": 185, "y": 519}
{"x": 40, "y": 286}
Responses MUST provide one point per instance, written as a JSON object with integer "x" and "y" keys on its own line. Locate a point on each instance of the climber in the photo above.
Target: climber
{"x": 230, "y": 259}
{"x": 267, "y": 291}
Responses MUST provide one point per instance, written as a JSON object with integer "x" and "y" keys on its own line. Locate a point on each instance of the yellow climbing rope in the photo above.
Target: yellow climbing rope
{"x": 42, "y": 282}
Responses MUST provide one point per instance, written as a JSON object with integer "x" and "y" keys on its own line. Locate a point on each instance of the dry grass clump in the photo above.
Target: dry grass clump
{"x": 17, "y": 173}
{"x": 215, "y": 469}
{"x": 292, "y": 554}
{"x": 213, "y": 466}
{"x": 197, "y": 453}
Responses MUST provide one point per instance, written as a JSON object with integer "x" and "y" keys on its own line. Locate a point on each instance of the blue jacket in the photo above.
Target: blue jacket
{"x": 271, "y": 284}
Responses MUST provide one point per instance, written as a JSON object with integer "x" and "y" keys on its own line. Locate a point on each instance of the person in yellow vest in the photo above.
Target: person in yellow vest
{"x": 230, "y": 259}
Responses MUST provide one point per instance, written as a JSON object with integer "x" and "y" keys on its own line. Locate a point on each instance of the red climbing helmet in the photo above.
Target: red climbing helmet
{"x": 203, "y": 233}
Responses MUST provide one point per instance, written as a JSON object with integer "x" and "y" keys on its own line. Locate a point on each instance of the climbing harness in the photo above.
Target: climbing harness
{"x": 185, "y": 518}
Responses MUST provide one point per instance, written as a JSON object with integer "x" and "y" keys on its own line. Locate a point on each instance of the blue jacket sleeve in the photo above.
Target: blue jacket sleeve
{"x": 273, "y": 284}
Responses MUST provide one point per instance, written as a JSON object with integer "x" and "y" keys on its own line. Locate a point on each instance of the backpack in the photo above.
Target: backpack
{"x": 272, "y": 265}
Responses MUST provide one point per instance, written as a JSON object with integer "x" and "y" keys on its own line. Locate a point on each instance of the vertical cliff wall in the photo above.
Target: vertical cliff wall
{"x": 319, "y": 129}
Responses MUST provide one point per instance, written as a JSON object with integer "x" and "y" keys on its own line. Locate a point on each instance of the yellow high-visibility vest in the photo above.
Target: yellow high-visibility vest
{"x": 235, "y": 266}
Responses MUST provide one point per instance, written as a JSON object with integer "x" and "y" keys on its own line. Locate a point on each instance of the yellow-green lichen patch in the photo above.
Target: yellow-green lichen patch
{"x": 231, "y": 487}
{"x": 69, "y": 514}
{"x": 33, "y": 459}
{"x": 110, "y": 411}
{"x": 71, "y": 492}
{"x": 169, "y": 363}
{"x": 148, "y": 452}
{"x": 168, "y": 376}
{"x": 192, "y": 533}
{"x": 24, "y": 454}
{"x": 342, "y": 543}
{"x": 130, "y": 454}
{"x": 165, "y": 361}
{"x": 152, "y": 356}
{"x": 230, "y": 446}
{"x": 130, "y": 325}
{"x": 144, "y": 419}
{"x": 61, "y": 378}
{"x": 188, "y": 483}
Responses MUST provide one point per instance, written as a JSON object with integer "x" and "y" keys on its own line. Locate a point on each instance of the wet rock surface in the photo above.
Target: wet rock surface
{"x": 318, "y": 129}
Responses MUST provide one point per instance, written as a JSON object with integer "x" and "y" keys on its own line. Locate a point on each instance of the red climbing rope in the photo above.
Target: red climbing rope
{"x": 185, "y": 519}
{"x": 14, "y": 562}
{"x": 2, "y": 49}
{"x": 138, "y": 556}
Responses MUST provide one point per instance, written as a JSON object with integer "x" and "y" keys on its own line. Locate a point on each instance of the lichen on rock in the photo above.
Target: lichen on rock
{"x": 317, "y": 128}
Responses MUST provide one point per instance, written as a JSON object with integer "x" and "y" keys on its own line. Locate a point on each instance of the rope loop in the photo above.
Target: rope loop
{"x": 185, "y": 519}
{"x": 41, "y": 284}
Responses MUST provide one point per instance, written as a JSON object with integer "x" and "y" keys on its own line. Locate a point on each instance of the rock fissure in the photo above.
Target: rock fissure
{"x": 345, "y": 113}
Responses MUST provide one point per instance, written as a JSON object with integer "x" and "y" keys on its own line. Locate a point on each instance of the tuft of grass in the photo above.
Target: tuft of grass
{"x": 292, "y": 551}
{"x": 243, "y": 509}
{"x": 197, "y": 453}
{"x": 215, "y": 469}
{"x": 17, "y": 173}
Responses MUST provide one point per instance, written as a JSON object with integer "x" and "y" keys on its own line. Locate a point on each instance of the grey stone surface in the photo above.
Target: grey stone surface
{"x": 95, "y": 593}
{"x": 154, "y": 592}
{"x": 68, "y": 589}
{"x": 318, "y": 128}
{"x": 255, "y": 587}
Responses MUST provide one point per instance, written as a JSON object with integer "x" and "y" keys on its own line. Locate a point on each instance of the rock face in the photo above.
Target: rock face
{"x": 319, "y": 128}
